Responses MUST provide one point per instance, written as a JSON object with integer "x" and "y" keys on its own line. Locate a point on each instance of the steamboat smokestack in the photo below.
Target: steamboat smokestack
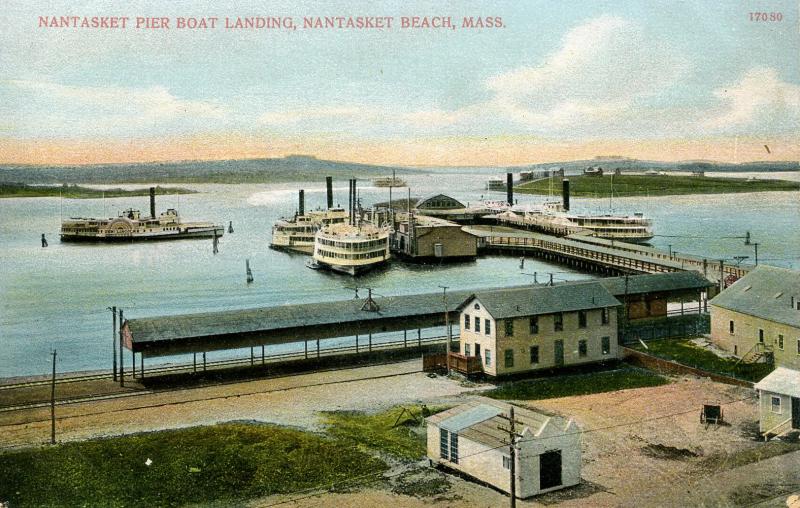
{"x": 510, "y": 188}
{"x": 350, "y": 201}
{"x": 565, "y": 193}
{"x": 329, "y": 187}
{"x": 301, "y": 205}
{"x": 355, "y": 201}
{"x": 153, "y": 202}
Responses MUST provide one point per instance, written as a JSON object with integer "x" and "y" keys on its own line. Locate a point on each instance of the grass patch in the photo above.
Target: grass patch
{"x": 220, "y": 463}
{"x": 578, "y": 384}
{"x": 761, "y": 452}
{"x": 382, "y": 431}
{"x": 21, "y": 190}
{"x": 658, "y": 185}
{"x": 687, "y": 353}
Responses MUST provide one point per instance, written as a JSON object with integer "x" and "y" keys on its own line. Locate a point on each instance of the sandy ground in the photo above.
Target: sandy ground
{"x": 621, "y": 430}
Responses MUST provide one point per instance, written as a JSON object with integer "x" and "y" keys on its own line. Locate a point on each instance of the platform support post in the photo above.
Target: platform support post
{"x": 263, "y": 360}
{"x": 317, "y": 348}
{"x": 204, "y": 361}
{"x": 419, "y": 337}
{"x": 405, "y": 338}
{"x": 133, "y": 364}
{"x": 194, "y": 363}
{"x": 305, "y": 348}
{"x": 141, "y": 363}
{"x": 370, "y": 342}
{"x": 356, "y": 343}
{"x": 252, "y": 357}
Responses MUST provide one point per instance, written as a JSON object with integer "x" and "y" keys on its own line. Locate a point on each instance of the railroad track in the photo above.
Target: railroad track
{"x": 217, "y": 365}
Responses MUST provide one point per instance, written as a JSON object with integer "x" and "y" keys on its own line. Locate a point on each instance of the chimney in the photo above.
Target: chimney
{"x": 565, "y": 193}
{"x": 510, "y": 188}
{"x": 301, "y": 205}
{"x": 329, "y": 187}
{"x": 153, "y": 202}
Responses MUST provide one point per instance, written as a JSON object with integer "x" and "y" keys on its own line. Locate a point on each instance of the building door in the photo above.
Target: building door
{"x": 478, "y": 350}
{"x": 795, "y": 413}
{"x": 550, "y": 469}
{"x": 558, "y": 352}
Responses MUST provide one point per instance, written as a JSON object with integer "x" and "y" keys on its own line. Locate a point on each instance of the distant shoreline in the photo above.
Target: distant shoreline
{"x": 21, "y": 190}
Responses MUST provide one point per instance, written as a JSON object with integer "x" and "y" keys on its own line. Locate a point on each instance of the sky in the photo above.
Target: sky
{"x": 649, "y": 79}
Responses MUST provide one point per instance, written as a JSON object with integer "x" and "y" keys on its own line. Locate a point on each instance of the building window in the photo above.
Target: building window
{"x": 488, "y": 326}
{"x": 444, "y": 444}
{"x": 454, "y": 447}
{"x": 798, "y": 346}
{"x": 487, "y": 353}
{"x": 509, "y": 323}
{"x": 534, "y": 325}
{"x": 509, "y": 358}
{"x": 606, "y": 345}
{"x": 534, "y": 355}
{"x": 581, "y": 319}
{"x": 730, "y": 326}
{"x": 558, "y": 322}
{"x": 760, "y": 335}
{"x": 466, "y": 321}
{"x": 775, "y": 404}
{"x": 583, "y": 349}
{"x": 780, "y": 342}
{"x": 506, "y": 462}
{"x": 477, "y": 324}
{"x": 477, "y": 307}
{"x": 604, "y": 316}
{"x": 466, "y": 349}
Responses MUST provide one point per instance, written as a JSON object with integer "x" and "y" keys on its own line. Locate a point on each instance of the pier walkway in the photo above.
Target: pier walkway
{"x": 597, "y": 254}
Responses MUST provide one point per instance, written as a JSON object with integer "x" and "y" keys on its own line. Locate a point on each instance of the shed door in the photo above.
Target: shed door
{"x": 795, "y": 413}
{"x": 550, "y": 469}
{"x": 558, "y": 352}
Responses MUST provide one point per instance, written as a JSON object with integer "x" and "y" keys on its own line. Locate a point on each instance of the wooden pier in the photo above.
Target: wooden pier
{"x": 599, "y": 255}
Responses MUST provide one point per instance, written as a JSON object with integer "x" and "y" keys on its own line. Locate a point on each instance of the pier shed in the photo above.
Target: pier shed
{"x": 422, "y": 238}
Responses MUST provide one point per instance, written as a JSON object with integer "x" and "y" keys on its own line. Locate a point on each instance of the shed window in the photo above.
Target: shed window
{"x": 775, "y": 404}
{"x": 454, "y": 447}
{"x": 534, "y": 324}
{"x": 506, "y": 462}
{"x": 509, "y": 324}
{"x": 760, "y": 335}
{"x": 606, "y": 344}
{"x": 509, "y": 358}
{"x": 581, "y": 319}
{"x": 466, "y": 321}
{"x": 558, "y": 322}
{"x": 780, "y": 342}
{"x": 730, "y": 326}
{"x": 583, "y": 349}
{"x": 488, "y": 326}
{"x": 798, "y": 346}
{"x": 444, "y": 444}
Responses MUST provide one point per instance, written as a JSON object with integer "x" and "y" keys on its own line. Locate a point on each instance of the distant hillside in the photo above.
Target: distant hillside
{"x": 294, "y": 168}
{"x": 626, "y": 164}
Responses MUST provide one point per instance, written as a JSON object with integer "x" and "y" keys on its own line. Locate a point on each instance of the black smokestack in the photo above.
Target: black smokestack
{"x": 153, "y": 202}
{"x": 329, "y": 187}
{"x": 301, "y": 205}
{"x": 350, "y": 201}
{"x": 565, "y": 193}
{"x": 510, "y": 188}
{"x": 355, "y": 201}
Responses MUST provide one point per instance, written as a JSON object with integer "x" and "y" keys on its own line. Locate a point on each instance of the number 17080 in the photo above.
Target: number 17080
{"x": 766, "y": 16}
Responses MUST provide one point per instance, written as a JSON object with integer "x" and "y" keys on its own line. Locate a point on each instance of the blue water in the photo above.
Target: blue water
{"x": 57, "y": 297}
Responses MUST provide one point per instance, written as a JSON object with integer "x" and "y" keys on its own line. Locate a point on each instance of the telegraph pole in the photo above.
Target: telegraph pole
{"x": 446, "y": 316}
{"x": 114, "y": 339}
{"x": 512, "y": 451}
{"x": 53, "y": 402}
{"x": 121, "y": 358}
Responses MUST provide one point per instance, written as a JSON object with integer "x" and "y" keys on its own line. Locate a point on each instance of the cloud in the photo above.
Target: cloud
{"x": 759, "y": 103}
{"x": 604, "y": 69}
{"x": 44, "y": 107}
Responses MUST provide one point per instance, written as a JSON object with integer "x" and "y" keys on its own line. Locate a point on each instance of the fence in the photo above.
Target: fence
{"x": 665, "y": 328}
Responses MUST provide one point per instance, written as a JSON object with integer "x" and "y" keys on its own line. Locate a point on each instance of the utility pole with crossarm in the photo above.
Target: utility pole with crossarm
{"x": 512, "y": 450}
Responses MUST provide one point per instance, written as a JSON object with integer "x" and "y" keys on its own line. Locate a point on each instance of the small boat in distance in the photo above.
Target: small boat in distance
{"x": 131, "y": 226}
{"x": 351, "y": 250}
{"x": 389, "y": 181}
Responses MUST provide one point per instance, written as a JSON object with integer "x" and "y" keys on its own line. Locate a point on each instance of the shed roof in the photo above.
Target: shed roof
{"x": 429, "y": 197}
{"x": 781, "y": 380}
{"x": 766, "y": 292}
{"x": 656, "y": 282}
{"x": 529, "y": 301}
{"x": 474, "y": 421}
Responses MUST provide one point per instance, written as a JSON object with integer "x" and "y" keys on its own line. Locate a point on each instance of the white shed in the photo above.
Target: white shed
{"x": 779, "y": 401}
{"x": 467, "y": 438}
